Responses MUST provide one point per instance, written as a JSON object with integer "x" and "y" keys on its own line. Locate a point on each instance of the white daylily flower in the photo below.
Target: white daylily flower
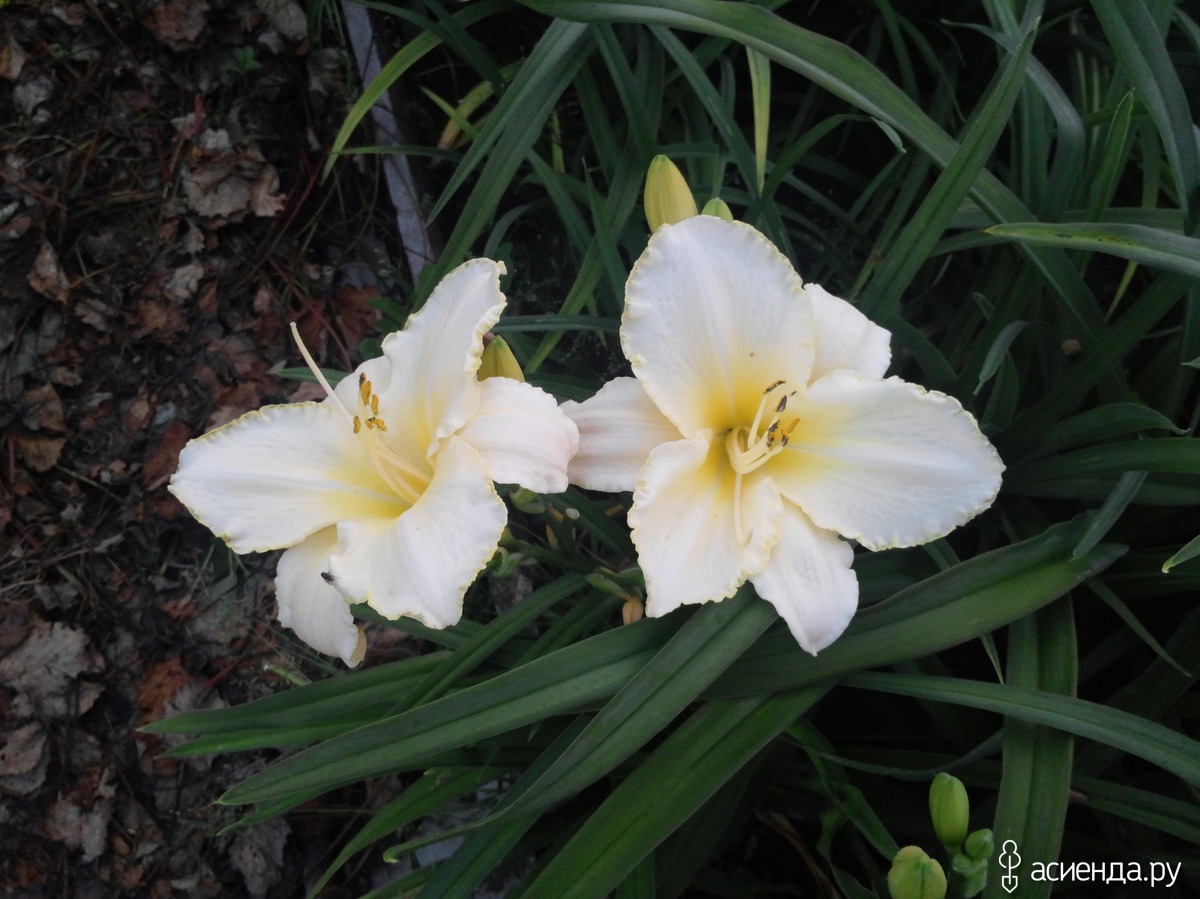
{"x": 384, "y": 492}
{"x": 759, "y": 431}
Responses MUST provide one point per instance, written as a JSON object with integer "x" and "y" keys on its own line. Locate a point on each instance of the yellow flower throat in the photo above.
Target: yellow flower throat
{"x": 406, "y": 482}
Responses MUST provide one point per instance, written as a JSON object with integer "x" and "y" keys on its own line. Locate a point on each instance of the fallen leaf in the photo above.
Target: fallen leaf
{"x": 286, "y": 17}
{"x": 257, "y": 852}
{"x": 42, "y": 668}
{"x": 355, "y": 312}
{"x": 12, "y": 60}
{"x": 23, "y": 760}
{"x": 47, "y": 276}
{"x": 178, "y": 23}
{"x": 184, "y": 280}
{"x": 82, "y": 822}
{"x": 39, "y": 453}
{"x": 163, "y": 461}
{"x": 160, "y": 685}
{"x": 43, "y": 409}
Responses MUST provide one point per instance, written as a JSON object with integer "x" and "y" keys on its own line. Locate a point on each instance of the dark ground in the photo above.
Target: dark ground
{"x": 162, "y": 218}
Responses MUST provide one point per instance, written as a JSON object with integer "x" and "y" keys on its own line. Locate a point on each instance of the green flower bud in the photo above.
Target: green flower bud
{"x": 972, "y": 874}
{"x": 668, "y": 199}
{"x": 950, "y": 810}
{"x": 716, "y": 206}
{"x": 498, "y": 361}
{"x": 979, "y": 844}
{"x": 914, "y": 875}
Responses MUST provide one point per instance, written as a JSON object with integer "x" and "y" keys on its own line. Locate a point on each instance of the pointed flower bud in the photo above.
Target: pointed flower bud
{"x": 498, "y": 361}
{"x": 716, "y": 206}
{"x": 633, "y": 610}
{"x": 950, "y": 810}
{"x": 914, "y": 875}
{"x": 668, "y": 199}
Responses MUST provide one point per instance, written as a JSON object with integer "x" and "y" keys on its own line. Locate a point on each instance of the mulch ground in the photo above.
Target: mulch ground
{"x": 162, "y": 219}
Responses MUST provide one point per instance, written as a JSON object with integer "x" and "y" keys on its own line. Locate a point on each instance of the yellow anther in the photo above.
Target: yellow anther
{"x": 374, "y": 404}
{"x": 357, "y": 424}
{"x": 379, "y": 423}
{"x": 364, "y": 389}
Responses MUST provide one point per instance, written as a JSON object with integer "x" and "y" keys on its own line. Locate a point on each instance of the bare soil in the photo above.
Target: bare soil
{"x": 162, "y": 219}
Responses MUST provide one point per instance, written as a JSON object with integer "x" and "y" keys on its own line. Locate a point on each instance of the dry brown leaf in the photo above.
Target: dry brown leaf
{"x": 231, "y": 186}
{"x": 42, "y": 668}
{"x": 23, "y": 759}
{"x": 47, "y": 276}
{"x": 163, "y": 461}
{"x": 156, "y": 318}
{"x": 12, "y": 60}
{"x": 43, "y": 409}
{"x": 160, "y": 686}
{"x": 39, "y": 453}
{"x": 183, "y": 281}
{"x": 286, "y": 17}
{"x": 355, "y": 312}
{"x": 178, "y": 23}
{"x": 82, "y": 823}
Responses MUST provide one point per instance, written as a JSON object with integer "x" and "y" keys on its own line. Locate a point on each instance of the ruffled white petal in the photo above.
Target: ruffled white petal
{"x": 809, "y": 581}
{"x": 431, "y": 388}
{"x": 422, "y": 563}
{"x": 846, "y": 338}
{"x": 618, "y": 427}
{"x": 276, "y": 475}
{"x": 313, "y": 607}
{"x": 683, "y": 524}
{"x": 885, "y": 462}
{"x": 523, "y": 436}
{"x": 714, "y": 314}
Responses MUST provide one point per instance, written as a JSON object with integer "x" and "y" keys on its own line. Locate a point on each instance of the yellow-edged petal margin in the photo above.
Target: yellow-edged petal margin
{"x": 278, "y": 474}
{"x": 886, "y": 463}
{"x": 845, "y": 337}
{"x": 686, "y": 529}
{"x": 420, "y": 564}
{"x": 713, "y": 315}
{"x": 431, "y": 388}
{"x": 618, "y": 427}
{"x": 311, "y": 605}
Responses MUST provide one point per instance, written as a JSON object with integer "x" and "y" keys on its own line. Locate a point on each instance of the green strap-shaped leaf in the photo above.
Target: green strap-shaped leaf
{"x": 1157, "y": 247}
{"x": 1036, "y": 775}
{"x": 562, "y": 681}
{"x": 434, "y": 789}
{"x": 844, "y": 73}
{"x": 404, "y": 59}
{"x": 1125, "y": 731}
{"x": 970, "y": 599}
{"x": 915, "y": 242}
{"x": 665, "y": 790}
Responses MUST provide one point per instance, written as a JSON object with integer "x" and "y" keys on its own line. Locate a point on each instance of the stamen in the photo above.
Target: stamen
{"x": 312, "y": 366}
{"x": 749, "y": 448}
{"x": 398, "y": 474}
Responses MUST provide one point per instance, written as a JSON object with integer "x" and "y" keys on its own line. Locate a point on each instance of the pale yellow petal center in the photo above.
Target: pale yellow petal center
{"x": 749, "y": 447}
{"x": 369, "y": 426}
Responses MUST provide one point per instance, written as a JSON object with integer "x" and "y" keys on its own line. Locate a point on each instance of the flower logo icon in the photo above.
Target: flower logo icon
{"x": 1009, "y": 859}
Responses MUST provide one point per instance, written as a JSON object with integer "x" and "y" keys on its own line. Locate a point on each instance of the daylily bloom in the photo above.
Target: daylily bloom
{"x": 384, "y": 491}
{"x": 759, "y": 431}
